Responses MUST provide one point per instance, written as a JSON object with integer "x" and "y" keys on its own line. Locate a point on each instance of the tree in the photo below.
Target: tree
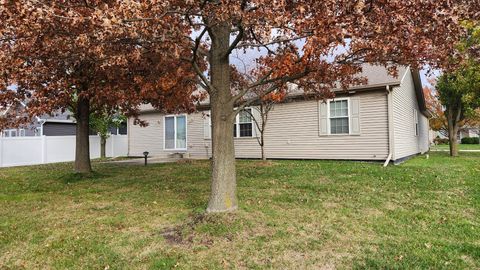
{"x": 102, "y": 122}
{"x": 460, "y": 94}
{"x": 438, "y": 121}
{"x": 264, "y": 108}
{"x": 265, "y": 105}
{"x": 459, "y": 90}
{"x": 66, "y": 55}
{"x": 319, "y": 45}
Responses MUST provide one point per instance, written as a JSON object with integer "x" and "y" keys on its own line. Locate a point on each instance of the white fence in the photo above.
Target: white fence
{"x": 20, "y": 151}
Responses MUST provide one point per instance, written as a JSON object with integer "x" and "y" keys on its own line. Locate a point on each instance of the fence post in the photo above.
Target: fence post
{"x": 44, "y": 149}
{"x": 1, "y": 151}
{"x": 112, "y": 145}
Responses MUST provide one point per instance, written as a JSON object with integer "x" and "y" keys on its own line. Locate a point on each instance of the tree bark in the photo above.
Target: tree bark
{"x": 453, "y": 118}
{"x": 103, "y": 143}
{"x": 262, "y": 143}
{"x": 223, "y": 197}
{"x": 82, "y": 144}
{"x": 452, "y": 137}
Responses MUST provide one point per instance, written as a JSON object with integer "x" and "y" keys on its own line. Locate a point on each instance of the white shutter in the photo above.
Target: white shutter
{"x": 207, "y": 127}
{"x": 322, "y": 118}
{"x": 355, "y": 115}
{"x": 258, "y": 117}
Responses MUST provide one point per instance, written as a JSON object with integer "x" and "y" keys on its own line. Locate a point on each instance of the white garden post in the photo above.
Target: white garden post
{"x": 44, "y": 148}
{"x": 1, "y": 151}
{"x": 112, "y": 149}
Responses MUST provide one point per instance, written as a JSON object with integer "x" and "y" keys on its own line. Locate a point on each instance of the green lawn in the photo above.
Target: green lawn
{"x": 293, "y": 215}
{"x": 460, "y": 146}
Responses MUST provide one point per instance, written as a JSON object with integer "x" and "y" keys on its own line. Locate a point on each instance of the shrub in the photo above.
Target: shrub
{"x": 470, "y": 140}
{"x": 439, "y": 140}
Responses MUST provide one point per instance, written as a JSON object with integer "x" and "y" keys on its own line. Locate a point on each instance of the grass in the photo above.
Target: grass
{"x": 460, "y": 147}
{"x": 293, "y": 214}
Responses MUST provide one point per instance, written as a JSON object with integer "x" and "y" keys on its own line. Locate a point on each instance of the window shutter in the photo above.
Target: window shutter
{"x": 207, "y": 129}
{"x": 355, "y": 115}
{"x": 323, "y": 118}
{"x": 256, "y": 115}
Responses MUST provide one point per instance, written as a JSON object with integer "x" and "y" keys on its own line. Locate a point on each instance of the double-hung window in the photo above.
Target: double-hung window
{"x": 243, "y": 126}
{"x": 175, "y": 133}
{"x": 339, "y": 117}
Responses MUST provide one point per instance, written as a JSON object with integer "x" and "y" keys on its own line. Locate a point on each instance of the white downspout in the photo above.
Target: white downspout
{"x": 42, "y": 121}
{"x": 391, "y": 141}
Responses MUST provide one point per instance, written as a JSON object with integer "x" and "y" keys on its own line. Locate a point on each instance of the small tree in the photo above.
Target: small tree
{"x": 438, "y": 120}
{"x": 264, "y": 109}
{"x": 265, "y": 106}
{"x": 460, "y": 94}
{"x": 102, "y": 122}
{"x": 459, "y": 90}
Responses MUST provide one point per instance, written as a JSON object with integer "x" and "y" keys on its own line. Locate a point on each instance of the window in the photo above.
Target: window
{"x": 415, "y": 121}
{"x": 10, "y": 133}
{"x": 175, "y": 132}
{"x": 339, "y": 117}
{"x": 21, "y": 132}
{"x": 243, "y": 126}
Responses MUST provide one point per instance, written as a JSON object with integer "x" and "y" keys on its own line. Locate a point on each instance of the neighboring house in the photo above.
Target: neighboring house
{"x": 464, "y": 132}
{"x": 384, "y": 120}
{"x": 468, "y": 132}
{"x": 57, "y": 124}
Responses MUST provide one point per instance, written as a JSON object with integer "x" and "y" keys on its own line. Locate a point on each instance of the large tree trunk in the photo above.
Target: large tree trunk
{"x": 452, "y": 137}
{"x": 223, "y": 197}
{"x": 453, "y": 118}
{"x": 82, "y": 146}
{"x": 103, "y": 143}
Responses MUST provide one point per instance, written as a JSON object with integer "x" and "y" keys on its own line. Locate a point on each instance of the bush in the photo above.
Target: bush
{"x": 439, "y": 140}
{"x": 470, "y": 140}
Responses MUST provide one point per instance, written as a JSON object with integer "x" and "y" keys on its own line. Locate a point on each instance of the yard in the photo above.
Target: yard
{"x": 293, "y": 214}
{"x": 460, "y": 147}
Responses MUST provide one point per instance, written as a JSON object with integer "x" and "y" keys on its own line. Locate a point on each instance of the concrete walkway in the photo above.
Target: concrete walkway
{"x": 141, "y": 161}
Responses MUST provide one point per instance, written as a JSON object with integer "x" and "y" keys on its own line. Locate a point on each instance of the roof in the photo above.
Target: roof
{"x": 58, "y": 117}
{"x": 377, "y": 76}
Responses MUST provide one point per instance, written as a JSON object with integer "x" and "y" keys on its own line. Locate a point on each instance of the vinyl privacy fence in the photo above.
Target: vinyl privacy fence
{"x": 20, "y": 151}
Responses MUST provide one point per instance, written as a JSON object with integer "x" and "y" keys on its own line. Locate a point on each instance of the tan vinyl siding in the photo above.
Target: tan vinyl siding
{"x": 405, "y": 104}
{"x": 292, "y": 133}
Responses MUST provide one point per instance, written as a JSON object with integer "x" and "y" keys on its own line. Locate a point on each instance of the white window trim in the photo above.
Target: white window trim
{"x": 329, "y": 129}
{"x": 237, "y": 125}
{"x": 175, "y": 132}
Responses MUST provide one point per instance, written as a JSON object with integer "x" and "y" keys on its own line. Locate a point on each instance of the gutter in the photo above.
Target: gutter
{"x": 391, "y": 131}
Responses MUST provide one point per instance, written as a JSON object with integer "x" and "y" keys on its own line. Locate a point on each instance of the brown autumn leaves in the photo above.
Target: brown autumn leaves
{"x": 120, "y": 54}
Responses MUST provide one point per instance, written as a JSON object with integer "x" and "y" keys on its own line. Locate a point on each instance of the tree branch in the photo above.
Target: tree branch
{"x": 237, "y": 40}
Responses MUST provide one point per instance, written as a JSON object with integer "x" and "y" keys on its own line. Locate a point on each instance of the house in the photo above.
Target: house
{"x": 468, "y": 132}
{"x": 385, "y": 120}
{"x": 56, "y": 124}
